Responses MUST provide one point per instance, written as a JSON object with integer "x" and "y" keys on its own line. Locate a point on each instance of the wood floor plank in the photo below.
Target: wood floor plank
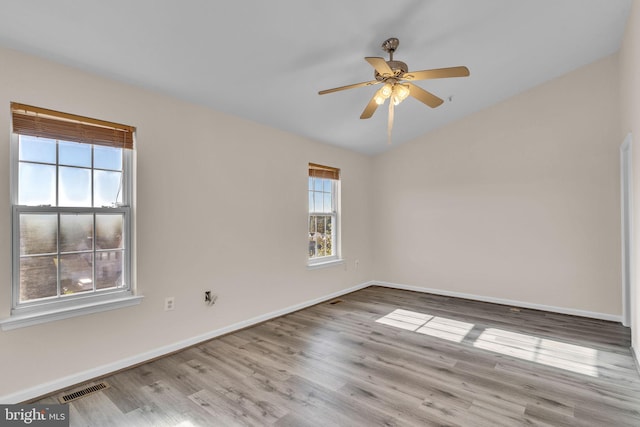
{"x": 386, "y": 357}
{"x": 97, "y": 410}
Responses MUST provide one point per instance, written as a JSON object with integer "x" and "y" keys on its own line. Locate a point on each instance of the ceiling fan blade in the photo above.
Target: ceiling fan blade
{"x": 370, "y": 108}
{"x": 437, "y": 73}
{"x": 380, "y": 65}
{"x": 423, "y": 96}
{"x": 353, "y": 86}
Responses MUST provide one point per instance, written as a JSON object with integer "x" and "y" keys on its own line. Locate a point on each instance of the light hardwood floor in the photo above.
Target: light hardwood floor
{"x": 385, "y": 357}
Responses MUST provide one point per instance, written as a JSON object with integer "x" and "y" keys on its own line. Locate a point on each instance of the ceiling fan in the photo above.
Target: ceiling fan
{"x": 396, "y": 79}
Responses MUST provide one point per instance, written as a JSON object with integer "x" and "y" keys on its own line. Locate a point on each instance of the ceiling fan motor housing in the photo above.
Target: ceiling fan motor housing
{"x": 399, "y": 69}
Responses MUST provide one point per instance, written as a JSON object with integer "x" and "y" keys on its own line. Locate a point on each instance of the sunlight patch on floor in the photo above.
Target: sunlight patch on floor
{"x": 435, "y": 326}
{"x": 570, "y": 357}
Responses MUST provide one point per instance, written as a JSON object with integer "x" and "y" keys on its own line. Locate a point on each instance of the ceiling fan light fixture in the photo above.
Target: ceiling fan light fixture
{"x": 400, "y": 93}
{"x": 387, "y": 90}
{"x": 383, "y": 93}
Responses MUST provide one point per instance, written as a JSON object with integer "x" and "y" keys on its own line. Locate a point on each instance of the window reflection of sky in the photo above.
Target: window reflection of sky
{"x": 37, "y": 173}
{"x": 320, "y": 190}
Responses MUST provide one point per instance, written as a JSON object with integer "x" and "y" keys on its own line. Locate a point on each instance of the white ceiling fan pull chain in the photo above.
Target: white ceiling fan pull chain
{"x": 390, "y": 122}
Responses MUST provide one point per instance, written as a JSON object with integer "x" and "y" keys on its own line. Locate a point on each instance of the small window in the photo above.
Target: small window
{"x": 324, "y": 182}
{"x": 71, "y": 192}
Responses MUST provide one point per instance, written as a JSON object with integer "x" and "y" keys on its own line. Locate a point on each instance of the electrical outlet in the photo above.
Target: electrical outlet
{"x": 169, "y": 303}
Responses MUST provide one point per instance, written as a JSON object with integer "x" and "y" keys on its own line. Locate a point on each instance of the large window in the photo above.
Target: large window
{"x": 71, "y": 191}
{"x": 323, "y": 213}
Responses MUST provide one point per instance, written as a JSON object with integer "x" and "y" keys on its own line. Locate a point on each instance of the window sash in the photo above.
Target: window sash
{"x": 125, "y": 172}
{"x": 73, "y": 299}
{"x": 334, "y": 242}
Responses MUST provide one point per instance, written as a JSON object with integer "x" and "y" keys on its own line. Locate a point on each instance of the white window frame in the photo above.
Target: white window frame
{"x": 335, "y": 258}
{"x": 61, "y": 307}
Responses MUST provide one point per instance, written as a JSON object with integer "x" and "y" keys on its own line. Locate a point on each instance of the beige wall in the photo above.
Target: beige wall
{"x": 517, "y": 202}
{"x": 221, "y": 205}
{"x": 630, "y": 114}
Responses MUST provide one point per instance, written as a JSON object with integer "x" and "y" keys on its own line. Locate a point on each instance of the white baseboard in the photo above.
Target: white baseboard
{"x": 80, "y": 377}
{"x": 634, "y": 353}
{"x": 522, "y": 304}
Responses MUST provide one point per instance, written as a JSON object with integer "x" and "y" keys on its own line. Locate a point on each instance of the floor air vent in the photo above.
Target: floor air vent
{"x": 83, "y": 392}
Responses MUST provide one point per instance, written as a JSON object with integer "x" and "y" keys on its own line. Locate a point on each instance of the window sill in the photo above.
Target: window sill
{"x": 324, "y": 264}
{"x": 30, "y": 319}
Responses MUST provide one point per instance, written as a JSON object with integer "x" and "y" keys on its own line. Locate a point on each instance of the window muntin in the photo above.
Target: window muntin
{"x": 71, "y": 211}
{"x": 323, "y": 213}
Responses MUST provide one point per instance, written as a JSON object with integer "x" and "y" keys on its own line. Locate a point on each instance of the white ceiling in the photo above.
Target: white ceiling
{"x": 266, "y": 60}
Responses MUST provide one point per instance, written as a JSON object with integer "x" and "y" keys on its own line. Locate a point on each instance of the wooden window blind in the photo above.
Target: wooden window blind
{"x": 44, "y": 123}
{"x": 319, "y": 171}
